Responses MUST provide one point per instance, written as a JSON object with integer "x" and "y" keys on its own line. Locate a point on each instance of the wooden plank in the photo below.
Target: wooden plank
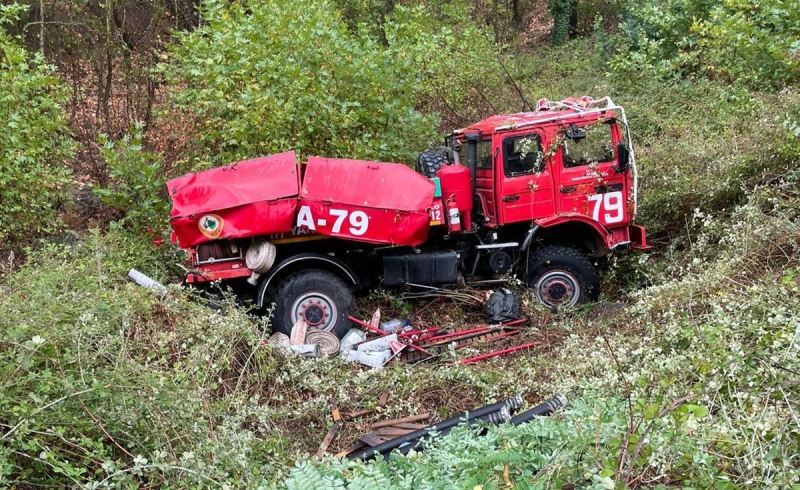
{"x": 409, "y": 425}
{"x": 358, "y": 413}
{"x": 326, "y": 441}
{"x": 355, "y": 447}
{"x": 410, "y": 418}
{"x": 373, "y": 439}
{"x": 335, "y": 413}
{"x": 391, "y": 432}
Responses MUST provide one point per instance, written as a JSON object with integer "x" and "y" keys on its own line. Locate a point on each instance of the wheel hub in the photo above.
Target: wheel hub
{"x": 316, "y": 309}
{"x": 558, "y": 288}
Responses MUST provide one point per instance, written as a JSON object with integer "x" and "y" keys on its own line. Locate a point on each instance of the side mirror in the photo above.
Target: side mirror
{"x": 623, "y": 157}
{"x": 573, "y": 132}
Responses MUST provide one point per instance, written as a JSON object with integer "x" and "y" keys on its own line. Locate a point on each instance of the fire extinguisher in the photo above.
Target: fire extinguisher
{"x": 453, "y": 218}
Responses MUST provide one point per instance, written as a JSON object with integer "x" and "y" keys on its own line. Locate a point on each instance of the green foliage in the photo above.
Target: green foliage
{"x": 454, "y": 61}
{"x": 755, "y": 43}
{"x": 35, "y": 142}
{"x": 136, "y": 182}
{"x": 94, "y": 388}
{"x": 561, "y": 10}
{"x": 269, "y": 76}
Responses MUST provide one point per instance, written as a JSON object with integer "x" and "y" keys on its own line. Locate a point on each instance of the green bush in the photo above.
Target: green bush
{"x": 136, "y": 182}
{"x": 35, "y": 142}
{"x": 264, "y": 77}
{"x": 754, "y": 43}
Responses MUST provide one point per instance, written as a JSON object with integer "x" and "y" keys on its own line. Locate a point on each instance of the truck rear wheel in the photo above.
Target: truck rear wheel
{"x": 562, "y": 277}
{"x": 319, "y": 297}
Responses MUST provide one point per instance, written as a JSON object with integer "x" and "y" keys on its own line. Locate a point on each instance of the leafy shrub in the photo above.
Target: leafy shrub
{"x": 748, "y": 42}
{"x": 35, "y": 142}
{"x": 270, "y": 76}
{"x": 136, "y": 182}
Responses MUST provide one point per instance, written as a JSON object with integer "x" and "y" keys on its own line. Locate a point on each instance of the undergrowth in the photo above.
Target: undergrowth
{"x": 694, "y": 381}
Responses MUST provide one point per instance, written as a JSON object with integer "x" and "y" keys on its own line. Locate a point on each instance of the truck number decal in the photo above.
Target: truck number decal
{"x": 358, "y": 220}
{"x": 612, "y": 204}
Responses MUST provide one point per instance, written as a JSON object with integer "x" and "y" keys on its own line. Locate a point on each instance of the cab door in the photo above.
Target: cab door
{"x": 486, "y": 204}
{"x": 589, "y": 183}
{"x": 525, "y": 181}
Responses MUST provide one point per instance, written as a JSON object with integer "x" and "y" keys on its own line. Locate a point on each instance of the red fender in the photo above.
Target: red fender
{"x": 563, "y": 218}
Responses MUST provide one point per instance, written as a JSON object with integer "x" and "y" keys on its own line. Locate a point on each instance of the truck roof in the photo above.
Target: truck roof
{"x": 567, "y": 110}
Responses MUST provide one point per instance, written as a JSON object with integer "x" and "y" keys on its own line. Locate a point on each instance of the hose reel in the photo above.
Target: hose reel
{"x": 259, "y": 258}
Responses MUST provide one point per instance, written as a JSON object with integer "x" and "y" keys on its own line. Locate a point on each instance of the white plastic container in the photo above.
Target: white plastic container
{"x": 351, "y": 338}
{"x": 379, "y": 344}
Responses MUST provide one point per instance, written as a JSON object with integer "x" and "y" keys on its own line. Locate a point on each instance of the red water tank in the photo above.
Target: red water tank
{"x": 456, "y": 185}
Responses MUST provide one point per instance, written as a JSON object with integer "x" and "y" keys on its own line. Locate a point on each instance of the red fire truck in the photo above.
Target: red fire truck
{"x": 539, "y": 195}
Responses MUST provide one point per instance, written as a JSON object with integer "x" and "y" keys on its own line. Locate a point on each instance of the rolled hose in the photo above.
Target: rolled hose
{"x": 470, "y": 417}
{"x": 259, "y": 258}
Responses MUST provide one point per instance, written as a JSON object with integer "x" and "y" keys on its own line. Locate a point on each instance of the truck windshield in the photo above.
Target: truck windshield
{"x": 596, "y": 147}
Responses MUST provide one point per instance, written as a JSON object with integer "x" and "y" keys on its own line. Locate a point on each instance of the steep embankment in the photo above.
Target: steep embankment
{"x": 694, "y": 382}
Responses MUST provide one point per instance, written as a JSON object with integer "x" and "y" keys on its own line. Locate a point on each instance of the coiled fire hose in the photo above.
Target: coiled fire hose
{"x": 259, "y": 258}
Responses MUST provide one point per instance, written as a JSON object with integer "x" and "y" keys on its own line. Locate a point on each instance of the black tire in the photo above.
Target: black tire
{"x": 429, "y": 162}
{"x": 562, "y": 276}
{"x": 321, "y": 297}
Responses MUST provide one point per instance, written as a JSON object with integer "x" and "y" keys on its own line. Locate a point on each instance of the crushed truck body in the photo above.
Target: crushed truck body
{"x": 374, "y": 202}
{"x": 538, "y": 195}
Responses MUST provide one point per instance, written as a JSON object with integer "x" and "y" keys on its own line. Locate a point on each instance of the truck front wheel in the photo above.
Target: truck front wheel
{"x": 319, "y": 297}
{"x": 562, "y": 276}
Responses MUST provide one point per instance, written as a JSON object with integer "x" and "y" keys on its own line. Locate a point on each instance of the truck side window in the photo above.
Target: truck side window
{"x": 522, "y": 155}
{"x": 484, "y": 154}
{"x": 595, "y": 147}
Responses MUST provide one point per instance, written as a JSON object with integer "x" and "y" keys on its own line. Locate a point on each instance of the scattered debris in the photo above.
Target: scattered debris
{"x": 371, "y": 359}
{"x": 384, "y": 398}
{"x": 375, "y": 321}
{"x": 394, "y": 325}
{"x": 428, "y": 342}
{"x": 351, "y": 338}
{"x": 366, "y": 325}
{"x": 338, "y": 422}
{"x": 358, "y": 413}
{"x": 502, "y": 306}
{"x": 307, "y": 350}
{"x": 379, "y": 344}
{"x": 147, "y": 282}
{"x": 299, "y": 332}
{"x": 402, "y": 420}
{"x": 498, "y": 353}
{"x": 328, "y": 342}
{"x": 494, "y": 414}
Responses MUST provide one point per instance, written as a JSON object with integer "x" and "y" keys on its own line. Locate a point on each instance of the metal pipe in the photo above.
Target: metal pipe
{"x": 545, "y": 408}
{"x": 495, "y": 418}
{"x": 498, "y": 353}
{"x": 511, "y": 404}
